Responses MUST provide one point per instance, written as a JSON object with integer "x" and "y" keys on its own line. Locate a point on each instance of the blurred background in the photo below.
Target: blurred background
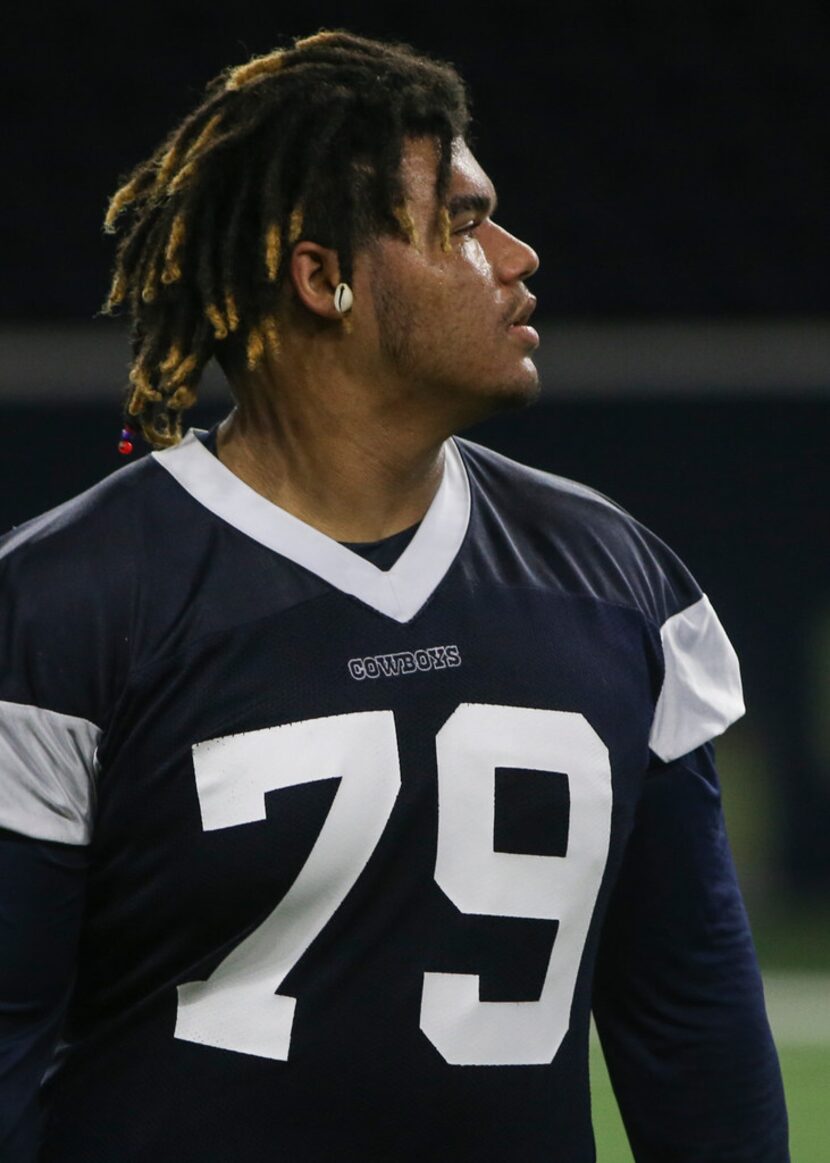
{"x": 669, "y": 162}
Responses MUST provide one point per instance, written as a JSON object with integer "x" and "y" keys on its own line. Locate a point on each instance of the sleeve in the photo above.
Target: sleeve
{"x": 701, "y": 693}
{"x": 53, "y": 679}
{"x": 53, "y": 690}
{"x": 678, "y": 998}
{"x": 48, "y": 766}
{"x": 41, "y": 904}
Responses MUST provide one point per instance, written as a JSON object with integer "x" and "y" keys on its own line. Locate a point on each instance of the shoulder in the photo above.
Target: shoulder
{"x": 571, "y": 538}
{"x": 87, "y": 531}
{"x": 66, "y": 592}
{"x": 67, "y": 583}
{"x": 595, "y": 547}
{"x": 136, "y": 528}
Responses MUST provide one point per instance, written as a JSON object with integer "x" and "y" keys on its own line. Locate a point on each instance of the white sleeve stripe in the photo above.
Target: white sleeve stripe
{"x": 47, "y": 773}
{"x": 701, "y": 692}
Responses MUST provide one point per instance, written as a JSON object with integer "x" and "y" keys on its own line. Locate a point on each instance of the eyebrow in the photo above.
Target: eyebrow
{"x": 479, "y": 203}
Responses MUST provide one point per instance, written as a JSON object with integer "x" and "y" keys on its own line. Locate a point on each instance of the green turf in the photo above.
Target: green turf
{"x": 793, "y": 938}
{"x": 806, "y": 1072}
{"x": 612, "y": 1145}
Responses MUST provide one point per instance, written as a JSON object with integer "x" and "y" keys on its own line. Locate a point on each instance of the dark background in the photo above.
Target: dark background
{"x": 662, "y": 157}
{"x": 666, "y": 160}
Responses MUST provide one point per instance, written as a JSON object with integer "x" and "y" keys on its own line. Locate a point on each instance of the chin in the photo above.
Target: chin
{"x": 492, "y": 401}
{"x": 522, "y": 397}
{"x": 518, "y": 393}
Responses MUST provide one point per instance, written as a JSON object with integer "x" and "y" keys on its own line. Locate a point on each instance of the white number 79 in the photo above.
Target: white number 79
{"x": 238, "y": 1009}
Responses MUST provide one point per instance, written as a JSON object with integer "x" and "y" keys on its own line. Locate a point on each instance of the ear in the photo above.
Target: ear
{"x": 315, "y": 274}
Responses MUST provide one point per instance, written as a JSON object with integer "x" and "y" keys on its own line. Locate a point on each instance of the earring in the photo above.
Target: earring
{"x": 343, "y": 298}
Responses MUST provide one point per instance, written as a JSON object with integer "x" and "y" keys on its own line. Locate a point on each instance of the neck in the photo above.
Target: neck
{"x": 344, "y": 461}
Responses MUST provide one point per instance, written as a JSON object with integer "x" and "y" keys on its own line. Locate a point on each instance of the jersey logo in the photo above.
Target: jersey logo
{"x": 405, "y": 662}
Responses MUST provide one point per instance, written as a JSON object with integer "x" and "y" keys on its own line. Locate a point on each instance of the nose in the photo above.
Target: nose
{"x": 519, "y": 260}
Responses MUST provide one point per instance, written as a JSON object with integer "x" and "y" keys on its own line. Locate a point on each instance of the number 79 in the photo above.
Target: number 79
{"x": 237, "y": 1008}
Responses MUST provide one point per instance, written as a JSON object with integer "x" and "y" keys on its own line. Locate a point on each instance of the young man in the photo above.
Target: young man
{"x": 344, "y": 766}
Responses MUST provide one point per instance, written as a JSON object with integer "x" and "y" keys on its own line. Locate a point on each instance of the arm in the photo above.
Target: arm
{"x": 678, "y": 998}
{"x": 41, "y": 904}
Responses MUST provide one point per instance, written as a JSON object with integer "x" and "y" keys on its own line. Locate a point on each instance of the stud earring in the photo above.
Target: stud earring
{"x": 343, "y": 298}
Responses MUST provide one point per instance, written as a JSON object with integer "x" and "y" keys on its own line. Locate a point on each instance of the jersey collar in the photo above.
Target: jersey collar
{"x": 399, "y": 592}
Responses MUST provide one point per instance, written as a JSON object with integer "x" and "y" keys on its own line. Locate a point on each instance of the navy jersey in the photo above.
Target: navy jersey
{"x": 340, "y": 857}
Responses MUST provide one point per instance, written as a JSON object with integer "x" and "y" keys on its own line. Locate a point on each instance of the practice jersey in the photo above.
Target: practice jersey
{"x": 351, "y": 834}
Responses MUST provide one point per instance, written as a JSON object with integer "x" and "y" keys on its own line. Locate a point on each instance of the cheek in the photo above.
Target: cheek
{"x": 473, "y": 254}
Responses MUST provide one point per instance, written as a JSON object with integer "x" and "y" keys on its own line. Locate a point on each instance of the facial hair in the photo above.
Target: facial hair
{"x": 405, "y": 349}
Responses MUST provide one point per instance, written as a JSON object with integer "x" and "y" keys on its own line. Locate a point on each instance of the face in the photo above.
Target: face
{"x": 451, "y": 324}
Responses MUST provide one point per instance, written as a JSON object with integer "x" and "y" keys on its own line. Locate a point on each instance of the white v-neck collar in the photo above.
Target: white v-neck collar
{"x": 399, "y": 592}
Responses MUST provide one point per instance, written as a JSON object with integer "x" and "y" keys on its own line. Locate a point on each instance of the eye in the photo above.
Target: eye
{"x": 467, "y": 227}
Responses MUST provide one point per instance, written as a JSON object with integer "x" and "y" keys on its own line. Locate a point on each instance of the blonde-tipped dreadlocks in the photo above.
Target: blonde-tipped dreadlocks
{"x": 305, "y": 141}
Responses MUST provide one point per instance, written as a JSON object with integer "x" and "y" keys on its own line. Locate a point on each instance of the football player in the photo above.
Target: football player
{"x": 345, "y": 765}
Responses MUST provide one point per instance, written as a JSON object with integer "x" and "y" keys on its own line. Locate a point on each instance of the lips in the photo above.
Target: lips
{"x": 518, "y": 325}
{"x": 522, "y": 316}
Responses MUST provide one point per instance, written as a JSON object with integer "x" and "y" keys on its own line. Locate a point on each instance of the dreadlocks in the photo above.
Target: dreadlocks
{"x": 305, "y": 141}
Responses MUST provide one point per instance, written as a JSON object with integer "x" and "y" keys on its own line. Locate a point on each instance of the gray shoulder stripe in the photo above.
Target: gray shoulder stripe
{"x": 701, "y": 693}
{"x": 48, "y": 765}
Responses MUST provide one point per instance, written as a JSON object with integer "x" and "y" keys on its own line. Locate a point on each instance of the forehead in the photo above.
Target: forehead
{"x": 419, "y": 165}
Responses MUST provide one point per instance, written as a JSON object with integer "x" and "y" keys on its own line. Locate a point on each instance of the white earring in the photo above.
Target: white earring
{"x": 343, "y": 298}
